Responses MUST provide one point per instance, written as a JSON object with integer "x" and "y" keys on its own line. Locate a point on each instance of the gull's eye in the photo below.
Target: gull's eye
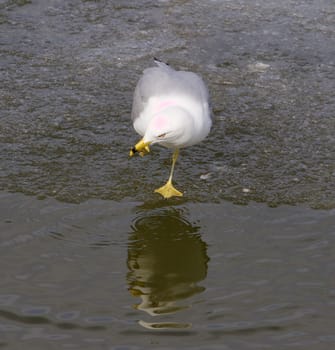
{"x": 161, "y": 136}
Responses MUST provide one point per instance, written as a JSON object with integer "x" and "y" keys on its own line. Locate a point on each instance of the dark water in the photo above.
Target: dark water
{"x": 127, "y": 275}
{"x": 91, "y": 258}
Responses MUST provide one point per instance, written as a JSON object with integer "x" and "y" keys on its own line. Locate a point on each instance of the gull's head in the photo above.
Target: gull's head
{"x": 171, "y": 128}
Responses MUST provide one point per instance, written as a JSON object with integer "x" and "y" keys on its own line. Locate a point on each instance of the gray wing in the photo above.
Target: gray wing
{"x": 164, "y": 80}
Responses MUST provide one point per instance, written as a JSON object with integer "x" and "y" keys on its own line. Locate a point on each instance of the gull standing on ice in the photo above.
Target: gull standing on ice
{"x": 170, "y": 108}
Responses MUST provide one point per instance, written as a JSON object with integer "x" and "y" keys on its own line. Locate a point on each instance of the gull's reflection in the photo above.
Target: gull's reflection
{"x": 166, "y": 260}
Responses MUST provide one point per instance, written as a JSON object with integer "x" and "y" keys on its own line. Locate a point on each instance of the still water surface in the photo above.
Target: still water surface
{"x": 91, "y": 258}
{"x": 129, "y": 275}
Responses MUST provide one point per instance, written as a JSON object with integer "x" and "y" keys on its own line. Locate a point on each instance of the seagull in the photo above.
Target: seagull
{"x": 170, "y": 108}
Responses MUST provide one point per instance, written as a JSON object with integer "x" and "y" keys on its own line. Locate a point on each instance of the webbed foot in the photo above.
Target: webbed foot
{"x": 168, "y": 191}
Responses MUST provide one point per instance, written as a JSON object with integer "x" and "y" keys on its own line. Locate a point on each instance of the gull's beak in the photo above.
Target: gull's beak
{"x": 141, "y": 147}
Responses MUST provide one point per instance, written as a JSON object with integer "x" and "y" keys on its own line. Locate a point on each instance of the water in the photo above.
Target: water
{"x": 91, "y": 257}
{"x": 114, "y": 275}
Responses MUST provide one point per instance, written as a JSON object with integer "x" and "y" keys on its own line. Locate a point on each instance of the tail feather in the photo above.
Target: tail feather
{"x": 161, "y": 64}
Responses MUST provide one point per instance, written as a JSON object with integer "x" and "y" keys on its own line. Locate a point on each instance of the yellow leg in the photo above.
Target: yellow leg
{"x": 168, "y": 190}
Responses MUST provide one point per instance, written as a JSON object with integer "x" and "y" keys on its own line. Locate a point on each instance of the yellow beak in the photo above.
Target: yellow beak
{"x": 141, "y": 148}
